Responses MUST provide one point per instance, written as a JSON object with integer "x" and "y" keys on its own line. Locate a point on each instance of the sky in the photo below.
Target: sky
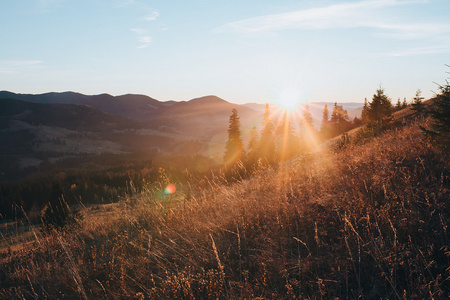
{"x": 242, "y": 51}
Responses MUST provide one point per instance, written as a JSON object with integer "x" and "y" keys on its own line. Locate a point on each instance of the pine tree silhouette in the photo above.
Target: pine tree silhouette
{"x": 253, "y": 144}
{"x": 285, "y": 139}
{"x": 380, "y": 109}
{"x": 307, "y": 117}
{"x": 439, "y": 113}
{"x": 234, "y": 148}
{"x": 417, "y": 103}
{"x": 267, "y": 145}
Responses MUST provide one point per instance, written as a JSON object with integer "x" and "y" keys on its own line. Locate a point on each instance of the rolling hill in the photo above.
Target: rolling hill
{"x": 135, "y": 107}
{"x": 202, "y": 117}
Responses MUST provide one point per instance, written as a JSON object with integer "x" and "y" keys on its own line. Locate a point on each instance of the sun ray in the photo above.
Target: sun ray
{"x": 286, "y": 137}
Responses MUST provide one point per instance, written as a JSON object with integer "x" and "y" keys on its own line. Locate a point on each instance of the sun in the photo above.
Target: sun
{"x": 288, "y": 99}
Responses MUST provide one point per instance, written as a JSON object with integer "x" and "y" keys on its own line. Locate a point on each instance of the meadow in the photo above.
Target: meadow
{"x": 367, "y": 218}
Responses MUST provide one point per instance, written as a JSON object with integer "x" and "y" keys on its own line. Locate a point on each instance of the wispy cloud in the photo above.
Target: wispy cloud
{"x": 122, "y": 3}
{"x": 21, "y": 63}
{"x": 152, "y": 16}
{"x": 48, "y": 2}
{"x": 47, "y": 6}
{"x": 344, "y": 15}
{"x": 142, "y": 34}
{"x": 143, "y": 37}
{"x": 421, "y": 51}
{"x": 17, "y": 66}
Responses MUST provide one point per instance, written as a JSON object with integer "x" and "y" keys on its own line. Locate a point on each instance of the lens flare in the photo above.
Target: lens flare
{"x": 288, "y": 99}
{"x": 170, "y": 189}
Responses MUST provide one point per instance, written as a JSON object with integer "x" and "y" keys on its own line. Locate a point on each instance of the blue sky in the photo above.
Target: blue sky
{"x": 242, "y": 51}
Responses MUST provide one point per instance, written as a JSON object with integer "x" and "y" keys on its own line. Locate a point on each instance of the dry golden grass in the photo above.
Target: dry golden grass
{"x": 369, "y": 220}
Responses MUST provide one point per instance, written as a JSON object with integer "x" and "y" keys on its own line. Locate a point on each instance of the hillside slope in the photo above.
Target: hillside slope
{"x": 369, "y": 220}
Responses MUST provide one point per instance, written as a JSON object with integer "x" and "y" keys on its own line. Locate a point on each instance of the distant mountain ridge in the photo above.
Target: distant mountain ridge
{"x": 146, "y": 109}
{"x": 204, "y": 116}
{"x": 136, "y": 107}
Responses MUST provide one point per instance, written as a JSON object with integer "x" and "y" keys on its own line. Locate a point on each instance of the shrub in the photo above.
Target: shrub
{"x": 57, "y": 213}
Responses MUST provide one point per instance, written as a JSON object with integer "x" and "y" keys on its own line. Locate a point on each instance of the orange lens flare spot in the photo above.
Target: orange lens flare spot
{"x": 170, "y": 189}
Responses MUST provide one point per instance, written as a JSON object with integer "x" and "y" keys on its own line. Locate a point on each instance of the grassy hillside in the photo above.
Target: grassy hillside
{"x": 368, "y": 220}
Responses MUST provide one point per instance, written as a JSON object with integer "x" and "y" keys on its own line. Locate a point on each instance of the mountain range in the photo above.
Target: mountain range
{"x": 141, "y": 108}
{"x": 35, "y": 128}
{"x": 202, "y": 117}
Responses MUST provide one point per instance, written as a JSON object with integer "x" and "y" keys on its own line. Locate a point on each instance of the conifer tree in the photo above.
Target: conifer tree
{"x": 253, "y": 145}
{"x": 404, "y": 103}
{"x": 285, "y": 138}
{"x": 339, "y": 119}
{"x": 325, "y": 116}
{"x": 417, "y": 103}
{"x": 324, "y": 125}
{"x": 398, "y": 105}
{"x": 356, "y": 122}
{"x": 234, "y": 148}
{"x": 307, "y": 133}
{"x": 307, "y": 117}
{"x": 279, "y": 129}
{"x": 365, "y": 110}
{"x": 380, "y": 109}
{"x": 267, "y": 145}
{"x": 334, "y": 117}
{"x": 439, "y": 113}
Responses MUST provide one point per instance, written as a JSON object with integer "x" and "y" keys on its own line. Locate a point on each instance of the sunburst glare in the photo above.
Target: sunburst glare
{"x": 288, "y": 99}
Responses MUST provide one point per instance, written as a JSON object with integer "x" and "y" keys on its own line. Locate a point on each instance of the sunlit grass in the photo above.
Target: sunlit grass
{"x": 366, "y": 221}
